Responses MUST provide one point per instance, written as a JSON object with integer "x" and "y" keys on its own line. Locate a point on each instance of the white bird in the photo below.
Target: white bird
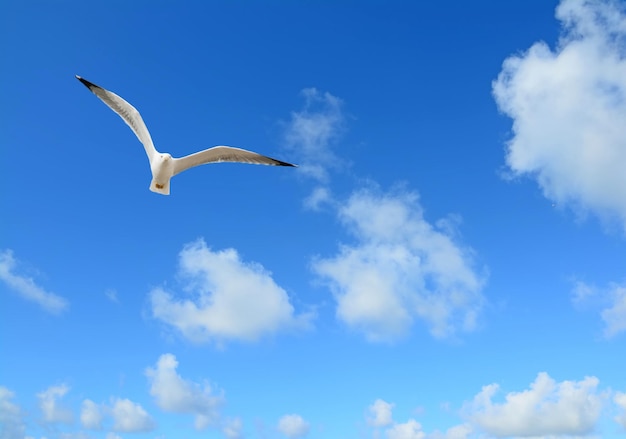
{"x": 163, "y": 165}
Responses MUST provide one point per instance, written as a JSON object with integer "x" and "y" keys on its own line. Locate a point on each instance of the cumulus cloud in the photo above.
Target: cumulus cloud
{"x": 174, "y": 394}
{"x": 612, "y": 300}
{"x": 408, "y": 430}
{"x": 568, "y": 107}
{"x": 293, "y": 426}
{"x": 380, "y": 413}
{"x": 91, "y": 415}
{"x": 401, "y": 268}
{"x": 51, "y": 411}
{"x": 231, "y": 299}
{"x": 130, "y": 417}
{"x": 620, "y": 401}
{"x": 461, "y": 431}
{"x": 26, "y": 286}
{"x": 127, "y": 416}
{"x": 11, "y": 417}
{"x": 547, "y": 408}
{"x": 311, "y": 132}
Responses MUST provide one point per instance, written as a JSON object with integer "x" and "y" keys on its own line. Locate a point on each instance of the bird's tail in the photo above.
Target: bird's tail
{"x": 162, "y": 188}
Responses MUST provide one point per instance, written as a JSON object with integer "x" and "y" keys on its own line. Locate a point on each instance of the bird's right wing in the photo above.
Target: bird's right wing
{"x": 224, "y": 154}
{"x": 127, "y": 112}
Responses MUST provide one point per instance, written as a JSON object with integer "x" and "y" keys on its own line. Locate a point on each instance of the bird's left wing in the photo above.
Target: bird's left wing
{"x": 127, "y": 112}
{"x": 224, "y": 154}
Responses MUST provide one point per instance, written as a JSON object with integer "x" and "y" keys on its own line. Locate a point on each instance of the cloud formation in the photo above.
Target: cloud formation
{"x": 174, "y": 394}
{"x": 91, "y": 415}
{"x": 51, "y": 411}
{"x": 568, "y": 107}
{"x": 311, "y": 132}
{"x": 293, "y": 426}
{"x": 547, "y": 408}
{"x": 401, "y": 268}
{"x": 380, "y": 414}
{"x": 620, "y": 400}
{"x": 11, "y": 417}
{"x": 27, "y": 288}
{"x": 130, "y": 417}
{"x": 613, "y": 300}
{"x": 231, "y": 299}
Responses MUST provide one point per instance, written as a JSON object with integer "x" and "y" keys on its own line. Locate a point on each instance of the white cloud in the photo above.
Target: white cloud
{"x": 401, "y": 268}
{"x": 27, "y": 288}
{"x": 613, "y": 299}
{"x": 293, "y": 426}
{"x": 233, "y": 428}
{"x": 568, "y": 108}
{"x": 91, "y": 415}
{"x": 380, "y": 413}
{"x": 11, "y": 417}
{"x": 620, "y": 400}
{"x": 233, "y": 299}
{"x": 111, "y": 435}
{"x": 130, "y": 417}
{"x": 50, "y": 409}
{"x": 408, "y": 430}
{"x": 461, "y": 431}
{"x": 175, "y": 394}
{"x": 311, "y": 132}
{"x": 568, "y": 408}
{"x": 614, "y": 317}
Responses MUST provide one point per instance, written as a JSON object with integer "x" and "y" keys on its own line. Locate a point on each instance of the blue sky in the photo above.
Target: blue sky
{"x": 446, "y": 262}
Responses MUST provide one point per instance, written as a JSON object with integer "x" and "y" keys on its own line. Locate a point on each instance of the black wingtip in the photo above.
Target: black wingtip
{"x": 280, "y": 163}
{"x": 86, "y": 83}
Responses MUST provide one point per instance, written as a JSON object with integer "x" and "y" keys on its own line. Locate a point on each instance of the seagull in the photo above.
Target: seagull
{"x": 163, "y": 165}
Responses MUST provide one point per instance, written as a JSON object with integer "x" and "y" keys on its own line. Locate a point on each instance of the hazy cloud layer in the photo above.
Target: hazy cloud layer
{"x": 399, "y": 269}
{"x": 568, "y": 107}
{"x": 547, "y": 408}
{"x": 230, "y": 298}
{"x": 26, "y": 286}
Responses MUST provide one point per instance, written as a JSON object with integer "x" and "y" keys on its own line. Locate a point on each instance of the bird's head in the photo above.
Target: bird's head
{"x": 166, "y": 157}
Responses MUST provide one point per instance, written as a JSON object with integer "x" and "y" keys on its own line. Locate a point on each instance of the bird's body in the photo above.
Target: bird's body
{"x": 163, "y": 165}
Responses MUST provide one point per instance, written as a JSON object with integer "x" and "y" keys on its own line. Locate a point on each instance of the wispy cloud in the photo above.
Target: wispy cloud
{"x": 620, "y": 400}
{"x": 233, "y": 428}
{"x": 568, "y": 107}
{"x": 111, "y": 294}
{"x": 611, "y": 299}
{"x": 233, "y": 299}
{"x": 52, "y": 412}
{"x": 400, "y": 268}
{"x": 568, "y": 408}
{"x": 12, "y": 424}
{"x": 174, "y": 394}
{"x": 26, "y": 287}
{"x": 312, "y": 131}
{"x": 293, "y": 426}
